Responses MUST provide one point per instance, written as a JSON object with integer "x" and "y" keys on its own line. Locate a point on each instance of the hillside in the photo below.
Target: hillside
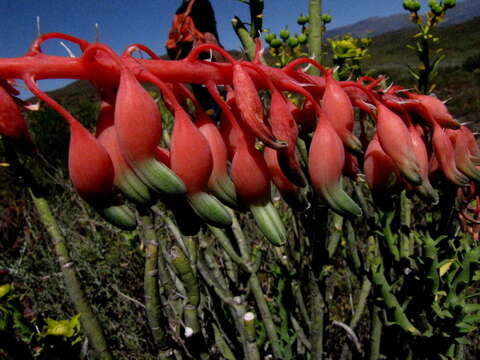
{"x": 374, "y": 26}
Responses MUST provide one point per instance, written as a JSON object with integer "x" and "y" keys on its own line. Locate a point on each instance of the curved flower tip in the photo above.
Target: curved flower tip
{"x": 396, "y": 141}
{"x": 326, "y": 171}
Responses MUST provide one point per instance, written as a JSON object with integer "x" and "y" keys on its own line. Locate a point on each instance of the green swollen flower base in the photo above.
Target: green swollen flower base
{"x": 224, "y": 190}
{"x": 340, "y": 202}
{"x": 120, "y": 216}
{"x": 269, "y": 223}
{"x": 209, "y": 209}
{"x": 133, "y": 188}
{"x": 159, "y": 177}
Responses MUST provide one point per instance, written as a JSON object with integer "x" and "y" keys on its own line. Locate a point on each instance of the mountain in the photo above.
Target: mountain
{"x": 374, "y": 26}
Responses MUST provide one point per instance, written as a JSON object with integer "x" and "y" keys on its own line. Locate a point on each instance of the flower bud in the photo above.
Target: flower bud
{"x": 448, "y": 4}
{"x": 302, "y": 38}
{"x": 292, "y": 41}
{"x": 339, "y": 111}
{"x": 395, "y": 140}
{"x": 284, "y": 33}
{"x": 326, "y": 171}
{"x": 269, "y": 37}
{"x": 302, "y": 19}
{"x": 326, "y": 18}
{"x": 276, "y": 43}
{"x": 411, "y": 5}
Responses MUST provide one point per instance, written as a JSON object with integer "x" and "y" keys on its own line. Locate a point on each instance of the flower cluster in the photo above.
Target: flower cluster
{"x": 209, "y": 166}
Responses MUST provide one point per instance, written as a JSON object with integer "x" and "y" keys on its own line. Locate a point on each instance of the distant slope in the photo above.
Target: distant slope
{"x": 458, "y": 41}
{"x": 374, "y": 26}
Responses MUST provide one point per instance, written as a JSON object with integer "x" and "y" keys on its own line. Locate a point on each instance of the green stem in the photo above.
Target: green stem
{"x": 317, "y": 310}
{"x": 405, "y": 223}
{"x": 155, "y": 317}
{"x": 315, "y": 33}
{"x": 376, "y": 334}
{"x": 266, "y": 315}
{"x": 90, "y": 324}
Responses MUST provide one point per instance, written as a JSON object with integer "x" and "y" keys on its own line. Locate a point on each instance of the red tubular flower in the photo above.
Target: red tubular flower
{"x": 433, "y": 108}
{"x": 137, "y": 119}
{"x": 445, "y": 155}
{"x": 425, "y": 189}
{"x": 190, "y": 155}
{"x": 90, "y": 167}
{"x": 463, "y": 160}
{"x": 380, "y": 170}
{"x": 219, "y": 182}
{"x": 139, "y": 130}
{"x": 339, "y": 111}
{"x": 395, "y": 140}
{"x": 12, "y": 123}
{"x": 325, "y": 165}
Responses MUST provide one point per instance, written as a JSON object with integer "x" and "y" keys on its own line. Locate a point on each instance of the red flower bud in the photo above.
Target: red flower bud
{"x": 190, "y": 155}
{"x": 250, "y": 174}
{"x": 445, "y": 155}
{"x": 137, "y": 119}
{"x": 434, "y": 109}
{"x": 90, "y": 167}
{"x": 339, "y": 110}
{"x": 325, "y": 164}
{"x": 425, "y": 189}
{"x": 395, "y": 140}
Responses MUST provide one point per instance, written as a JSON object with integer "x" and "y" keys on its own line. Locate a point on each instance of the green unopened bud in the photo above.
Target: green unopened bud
{"x": 448, "y": 4}
{"x": 326, "y": 18}
{"x": 437, "y": 9}
{"x": 292, "y": 41}
{"x": 284, "y": 33}
{"x": 411, "y": 5}
{"x": 269, "y": 37}
{"x": 302, "y": 38}
{"x": 276, "y": 43}
{"x": 302, "y": 20}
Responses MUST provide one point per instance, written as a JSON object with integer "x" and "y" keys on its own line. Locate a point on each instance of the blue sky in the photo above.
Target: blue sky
{"x": 123, "y": 22}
